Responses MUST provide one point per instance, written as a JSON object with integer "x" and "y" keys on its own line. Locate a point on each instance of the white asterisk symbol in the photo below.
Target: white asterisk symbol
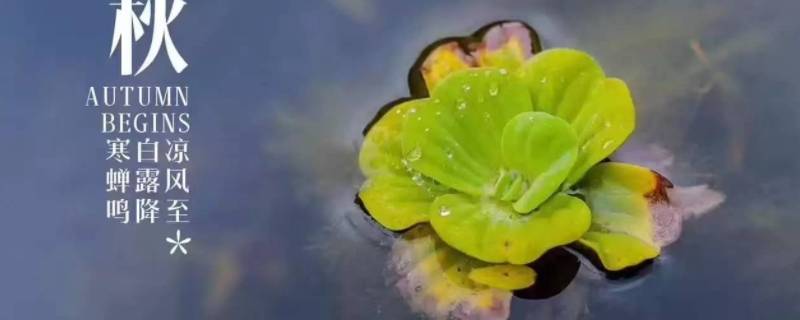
{"x": 178, "y": 243}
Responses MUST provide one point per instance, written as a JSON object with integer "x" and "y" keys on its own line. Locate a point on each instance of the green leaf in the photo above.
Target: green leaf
{"x": 620, "y": 197}
{"x": 504, "y": 276}
{"x": 571, "y": 85}
{"x": 380, "y": 152}
{"x": 493, "y": 232}
{"x": 454, "y": 137}
{"x": 603, "y": 123}
{"x": 396, "y": 201}
{"x": 618, "y": 251}
{"x": 549, "y": 74}
{"x": 395, "y": 195}
{"x": 543, "y": 149}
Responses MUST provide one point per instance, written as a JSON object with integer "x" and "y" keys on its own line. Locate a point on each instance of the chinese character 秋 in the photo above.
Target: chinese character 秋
{"x": 128, "y": 28}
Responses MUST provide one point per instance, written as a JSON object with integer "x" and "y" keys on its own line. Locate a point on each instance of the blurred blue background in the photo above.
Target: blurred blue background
{"x": 280, "y": 91}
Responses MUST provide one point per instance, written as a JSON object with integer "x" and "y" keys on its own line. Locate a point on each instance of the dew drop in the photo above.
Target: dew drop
{"x": 407, "y": 165}
{"x": 444, "y": 211}
{"x": 503, "y": 71}
{"x": 466, "y": 87}
{"x": 414, "y": 155}
{"x": 418, "y": 179}
{"x": 461, "y": 105}
{"x": 493, "y": 90}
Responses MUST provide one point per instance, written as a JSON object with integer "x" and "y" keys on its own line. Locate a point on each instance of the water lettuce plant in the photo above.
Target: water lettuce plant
{"x": 503, "y": 151}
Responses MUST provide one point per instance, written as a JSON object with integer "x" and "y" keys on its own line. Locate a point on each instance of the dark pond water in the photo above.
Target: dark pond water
{"x": 281, "y": 92}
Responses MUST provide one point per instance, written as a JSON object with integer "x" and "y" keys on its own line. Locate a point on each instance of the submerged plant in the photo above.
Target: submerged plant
{"x": 502, "y": 152}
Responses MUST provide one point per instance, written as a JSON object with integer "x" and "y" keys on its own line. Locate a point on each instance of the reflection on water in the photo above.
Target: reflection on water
{"x": 433, "y": 278}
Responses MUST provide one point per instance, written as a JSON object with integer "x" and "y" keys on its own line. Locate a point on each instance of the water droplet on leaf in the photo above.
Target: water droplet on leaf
{"x": 418, "y": 179}
{"x": 493, "y": 90}
{"x": 461, "y": 105}
{"x": 414, "y": 155}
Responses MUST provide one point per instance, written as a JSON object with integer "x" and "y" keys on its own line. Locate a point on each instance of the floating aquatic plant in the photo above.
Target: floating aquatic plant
{"x": 501, "y": 151}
